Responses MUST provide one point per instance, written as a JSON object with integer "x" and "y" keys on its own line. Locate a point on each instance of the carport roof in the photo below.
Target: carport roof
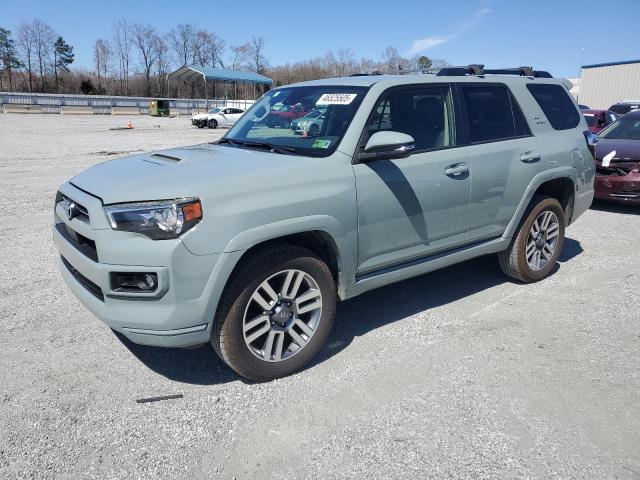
{"x": 190, "y": 73}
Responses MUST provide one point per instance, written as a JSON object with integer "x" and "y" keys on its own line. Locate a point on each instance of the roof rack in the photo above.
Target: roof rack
{"x": 477, "y": 69}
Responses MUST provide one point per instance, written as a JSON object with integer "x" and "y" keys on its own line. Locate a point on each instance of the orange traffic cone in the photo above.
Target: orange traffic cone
{"x": 304, "y": 133}
{"x": 129, "y": 123}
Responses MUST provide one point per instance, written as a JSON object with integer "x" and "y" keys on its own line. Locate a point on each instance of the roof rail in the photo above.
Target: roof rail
{"x": 474, "y": 69}
{"x": 480, "y": 70}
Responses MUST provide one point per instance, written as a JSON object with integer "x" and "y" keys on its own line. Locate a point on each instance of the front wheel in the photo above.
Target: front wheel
{"x": 534, "y": 251}
{"x": 212, "y": 123}
{"x": 276, "y": 313}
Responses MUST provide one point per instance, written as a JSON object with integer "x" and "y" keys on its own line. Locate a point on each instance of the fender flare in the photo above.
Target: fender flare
{"x": 343, "y": 242}
{"x": 541, "y": 178}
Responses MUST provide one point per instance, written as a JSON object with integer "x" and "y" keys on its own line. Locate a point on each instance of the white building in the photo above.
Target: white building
{"x": 604, "y": 84}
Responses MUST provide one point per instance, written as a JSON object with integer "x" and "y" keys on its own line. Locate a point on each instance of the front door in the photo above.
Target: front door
{"x": 416, "y": 206}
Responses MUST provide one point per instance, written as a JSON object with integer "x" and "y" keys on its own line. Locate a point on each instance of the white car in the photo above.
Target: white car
{"x": 219, "y": 116}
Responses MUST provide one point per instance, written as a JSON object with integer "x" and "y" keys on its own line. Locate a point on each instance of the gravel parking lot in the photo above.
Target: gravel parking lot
{"x": 457, "y": 374}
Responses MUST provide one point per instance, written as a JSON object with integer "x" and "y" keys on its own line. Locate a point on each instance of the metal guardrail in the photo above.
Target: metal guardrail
{"x": 103, "y": 105}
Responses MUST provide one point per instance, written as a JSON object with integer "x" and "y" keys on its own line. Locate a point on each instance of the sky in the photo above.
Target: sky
{"x": 553, "y": 35}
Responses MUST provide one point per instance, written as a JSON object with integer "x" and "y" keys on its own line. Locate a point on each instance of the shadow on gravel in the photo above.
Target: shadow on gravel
{"x": 199, "y": 366}
{"x": 354, "y": 317}
{"x": 570, "y": 250}
{"x": 615, "y": 207}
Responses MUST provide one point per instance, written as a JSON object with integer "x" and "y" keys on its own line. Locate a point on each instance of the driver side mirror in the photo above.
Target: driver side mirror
{"x": 387, "y": 145}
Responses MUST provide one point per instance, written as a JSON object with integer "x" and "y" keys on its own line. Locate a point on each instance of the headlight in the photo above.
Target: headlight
{"x": 156, "y": 220}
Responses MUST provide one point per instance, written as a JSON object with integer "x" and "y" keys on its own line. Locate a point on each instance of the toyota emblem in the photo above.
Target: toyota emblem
{"x": 69, "y": 209}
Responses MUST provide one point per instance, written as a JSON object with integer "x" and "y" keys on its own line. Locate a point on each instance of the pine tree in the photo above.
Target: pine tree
{"x": 8, "y": 56}
{"x": 62, "y": 56}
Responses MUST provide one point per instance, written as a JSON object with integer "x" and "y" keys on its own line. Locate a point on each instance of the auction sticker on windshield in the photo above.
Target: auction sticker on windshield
{"x": 321, "y": 143}
{"x": 336, "y": 98}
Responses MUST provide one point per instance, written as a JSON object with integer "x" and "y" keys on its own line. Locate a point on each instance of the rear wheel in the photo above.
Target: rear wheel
{"x": 276, "y": 313}
{"x": 212, "y": 123}
{"x": 534, "y": 251}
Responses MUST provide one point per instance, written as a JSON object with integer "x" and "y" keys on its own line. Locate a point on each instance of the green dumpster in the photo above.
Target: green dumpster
{"x": 159, "y": 108}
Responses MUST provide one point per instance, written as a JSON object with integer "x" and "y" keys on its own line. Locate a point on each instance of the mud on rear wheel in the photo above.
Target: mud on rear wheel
{"x": 534, "y": 251}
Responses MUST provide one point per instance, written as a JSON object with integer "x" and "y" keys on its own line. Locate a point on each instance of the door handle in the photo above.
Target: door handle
{"x": 530, "y": 157}
{"x": 456, "y": 170}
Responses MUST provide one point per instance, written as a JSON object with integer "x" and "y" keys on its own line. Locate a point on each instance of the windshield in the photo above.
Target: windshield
{"x": 215, "y": 110}
{"x": 624, "y": 129}
{"x": 270, "y": 121}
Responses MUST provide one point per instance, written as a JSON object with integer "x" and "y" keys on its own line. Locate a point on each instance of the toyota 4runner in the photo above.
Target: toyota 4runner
{"x": 249, "y": 242}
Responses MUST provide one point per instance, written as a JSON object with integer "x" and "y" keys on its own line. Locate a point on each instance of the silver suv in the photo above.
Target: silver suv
{"x": 249, "y": 242}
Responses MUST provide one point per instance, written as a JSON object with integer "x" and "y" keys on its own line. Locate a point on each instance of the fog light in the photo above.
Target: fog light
{"x": 134, "y": 281}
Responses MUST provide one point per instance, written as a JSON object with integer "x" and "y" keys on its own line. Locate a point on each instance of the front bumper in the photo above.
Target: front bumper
{"x": 619, "y": 189}
{"x": 199, "y": 122}
{"x": 178, "y": 313}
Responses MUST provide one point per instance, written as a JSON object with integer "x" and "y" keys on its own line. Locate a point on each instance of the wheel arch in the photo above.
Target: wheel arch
{"x": 559, "y": 183}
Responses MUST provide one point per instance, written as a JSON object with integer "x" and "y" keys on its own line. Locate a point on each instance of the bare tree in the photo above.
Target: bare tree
{"x": 255, "y": 55}
{"x": 122, "y": 42}
{"x": 43, "y": 40}
{"x": 163, "y": 63}
{"x": 181, "y": 39}
{"x": 391, "y": 59}
{"x": 216, "y": 50}
{"x": 101, "y": 57}
{"x": 145, "y": 40}
{"x": 26, "y": 45}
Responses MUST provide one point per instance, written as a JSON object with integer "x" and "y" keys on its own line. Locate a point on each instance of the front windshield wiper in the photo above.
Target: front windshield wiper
{"x": 264, "y": 145}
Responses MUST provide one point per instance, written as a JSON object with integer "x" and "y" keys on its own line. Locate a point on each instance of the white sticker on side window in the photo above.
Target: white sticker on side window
{"x": 336, "y": 98}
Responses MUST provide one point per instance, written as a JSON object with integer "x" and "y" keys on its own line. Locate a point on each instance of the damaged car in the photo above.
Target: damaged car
{"x": 617, "y": 153}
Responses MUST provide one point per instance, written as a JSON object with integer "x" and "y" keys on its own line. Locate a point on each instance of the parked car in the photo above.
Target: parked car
{"x": 599, "y": 119}
{"x": 583, "y": 107}
{"x": 249, "y": 243}
{"x": 625, "y": 106}
{"x": 224, "y": 117}
{"x": 310, "y": 124}
{"x": 287, "y": 113}
{"x": 617, "y": 152}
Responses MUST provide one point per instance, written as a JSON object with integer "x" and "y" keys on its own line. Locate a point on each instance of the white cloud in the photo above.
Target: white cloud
{"x": 426, "y": 43}
{"x": 432, "y": 41}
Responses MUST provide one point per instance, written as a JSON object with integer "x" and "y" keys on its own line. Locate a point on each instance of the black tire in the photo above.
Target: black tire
{"x": 212, "y": 123}
{"x": 200, "y": 125}
{"x": 513, "y": 260}
{"x": 227, "y": 333}
{"x": 314, "y": 130}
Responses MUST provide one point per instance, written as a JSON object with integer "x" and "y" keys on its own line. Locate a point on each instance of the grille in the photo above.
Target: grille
{"x": 81, "y": 212}
{"x": 84, "y": 245}
{"x": 91, "y": 287}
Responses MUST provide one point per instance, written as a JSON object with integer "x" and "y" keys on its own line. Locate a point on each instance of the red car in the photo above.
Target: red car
{"x": 617, "y": 153}
{"x": 599, "y": 119}
{"x": 284, "y": 117}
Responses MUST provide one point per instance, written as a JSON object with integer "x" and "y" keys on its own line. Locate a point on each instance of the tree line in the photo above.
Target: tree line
{"x": 137, "y": 58}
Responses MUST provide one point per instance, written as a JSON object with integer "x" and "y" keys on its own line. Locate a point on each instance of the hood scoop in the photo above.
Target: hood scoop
{"x": 162, "y": 159}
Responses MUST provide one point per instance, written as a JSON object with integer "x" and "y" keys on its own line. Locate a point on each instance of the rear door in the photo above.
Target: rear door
{"x": 416, "y": 206}
{"x": 503, "y": 156}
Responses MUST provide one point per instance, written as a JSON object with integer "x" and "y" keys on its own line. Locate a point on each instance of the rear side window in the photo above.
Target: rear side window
{"x": 493, "y": 113}
{"x": 556, "y": 105}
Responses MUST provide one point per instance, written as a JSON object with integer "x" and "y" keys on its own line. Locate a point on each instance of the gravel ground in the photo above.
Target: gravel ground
{"x": 456, "y": 374}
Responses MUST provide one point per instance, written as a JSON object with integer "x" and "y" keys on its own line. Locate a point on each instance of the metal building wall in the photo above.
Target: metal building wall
{"x": 603, "y": 86}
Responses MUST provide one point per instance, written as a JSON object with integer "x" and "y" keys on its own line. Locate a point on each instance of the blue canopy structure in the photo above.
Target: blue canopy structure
{"x": 188, "y": 73}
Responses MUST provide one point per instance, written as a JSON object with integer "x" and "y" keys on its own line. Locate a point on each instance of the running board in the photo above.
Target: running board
{"x": 424, "y": 265}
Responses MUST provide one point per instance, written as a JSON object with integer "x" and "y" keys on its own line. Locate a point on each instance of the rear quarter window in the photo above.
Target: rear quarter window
{"x": 556, "y": 105}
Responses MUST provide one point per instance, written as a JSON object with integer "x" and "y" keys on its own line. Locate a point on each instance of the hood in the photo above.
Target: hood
{"x": 200, "y": 116}
{"x": 198, "y": 171}
{"x": 626, "y": 150}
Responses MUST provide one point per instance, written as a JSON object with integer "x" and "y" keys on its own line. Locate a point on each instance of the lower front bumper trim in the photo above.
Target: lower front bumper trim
{"x": 167, "y": 333}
